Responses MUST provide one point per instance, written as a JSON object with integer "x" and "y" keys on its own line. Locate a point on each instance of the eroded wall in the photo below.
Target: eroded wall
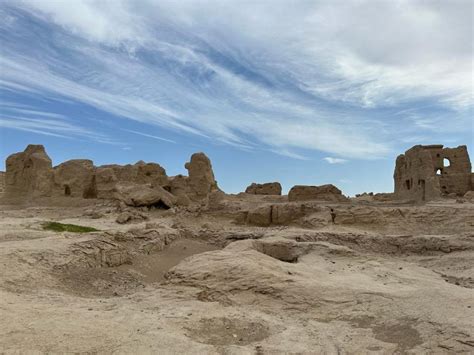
{"x": 428, "y": 172}
{"x": 30, "y": 174}
{"x": 2, "y": 182}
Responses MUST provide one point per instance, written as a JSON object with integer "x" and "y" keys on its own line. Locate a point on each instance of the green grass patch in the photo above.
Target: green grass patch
{"x": 60, "y": 227}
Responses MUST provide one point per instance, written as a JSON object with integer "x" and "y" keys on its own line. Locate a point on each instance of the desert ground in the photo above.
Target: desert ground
{"x": 386, "y": 277}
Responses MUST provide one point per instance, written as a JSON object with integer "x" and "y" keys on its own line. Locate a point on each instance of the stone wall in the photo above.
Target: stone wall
{"x": 428, "y": 172}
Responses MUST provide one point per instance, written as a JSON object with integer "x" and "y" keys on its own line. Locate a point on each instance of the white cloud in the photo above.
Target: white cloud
{"x": 111, "y": 22}
{"x": 286, "y": 77}
{"x": 331, "y": 160}
{"x": 51, "y": 126}
{"x": 150, "y": 136}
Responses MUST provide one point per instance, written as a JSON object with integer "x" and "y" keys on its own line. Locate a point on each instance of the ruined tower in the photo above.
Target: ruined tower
{"x": 426, "y": 172}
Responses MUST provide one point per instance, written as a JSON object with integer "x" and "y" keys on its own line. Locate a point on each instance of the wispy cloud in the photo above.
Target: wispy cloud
{"x": 52, "y": 127}
{"x": 284, "y": 78}
{"x": 150, "y": 136}
{"x": 34, "y": 113}
{"x": 331, "y": 160}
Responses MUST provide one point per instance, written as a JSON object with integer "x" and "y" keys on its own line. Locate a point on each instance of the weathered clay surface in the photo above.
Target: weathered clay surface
{"x": 276, "y": 214}
{"x": 141, "y": 195}
{"x": 131, "y": 217}
{"x": 139, "y": 173}
{"x": 269, "y": 188}
{"x": 2, "y": 182}
{"x": 427, "y": 172}
{"x": 201, "y": 180}
{"x": 324, "y": 192}
{"x": 75, "y": 178}
{"x": 469, "y": 195}
{"x": 233, "y": 274}
{"x": 29, "y": 173}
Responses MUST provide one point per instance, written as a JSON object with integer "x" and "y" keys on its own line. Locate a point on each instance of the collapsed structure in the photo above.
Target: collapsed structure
{"x": 30, "y": 174}
{"x": 427, "y": 172}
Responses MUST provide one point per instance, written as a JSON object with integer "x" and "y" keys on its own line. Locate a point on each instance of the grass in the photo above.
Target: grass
{"x": 60, "y": 227}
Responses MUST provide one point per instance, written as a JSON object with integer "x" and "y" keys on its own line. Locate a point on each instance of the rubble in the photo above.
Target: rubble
{"x": 142, "y": 195}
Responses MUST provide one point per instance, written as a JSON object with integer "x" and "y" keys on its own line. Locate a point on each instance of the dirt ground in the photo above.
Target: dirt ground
{"x": 384, "y": 279}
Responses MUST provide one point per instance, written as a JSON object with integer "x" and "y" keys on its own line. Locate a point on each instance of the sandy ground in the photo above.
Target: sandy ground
{"x": 199, "y": 283}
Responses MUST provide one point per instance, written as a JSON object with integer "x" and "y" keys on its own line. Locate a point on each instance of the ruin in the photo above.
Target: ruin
{"x": 427, "y": 172}
{"x": 30, "y": 174}
{"x": 423, "y": 173}
{"x": 269, "y": 188}
{"x": 2, "y": 183}
{"x": 327, "y": 192}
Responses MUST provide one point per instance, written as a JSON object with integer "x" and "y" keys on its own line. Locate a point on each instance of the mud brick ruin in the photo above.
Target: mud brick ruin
{"x": 423, "y": 173}
{"x": 427, "y": 172}
{"x": 30, "y": 174}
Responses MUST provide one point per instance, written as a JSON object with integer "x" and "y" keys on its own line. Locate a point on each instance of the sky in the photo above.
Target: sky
{"x": 300, "y": 92}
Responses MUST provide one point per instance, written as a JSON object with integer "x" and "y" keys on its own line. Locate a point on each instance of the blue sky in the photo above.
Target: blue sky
{"x": 301, "y": 92}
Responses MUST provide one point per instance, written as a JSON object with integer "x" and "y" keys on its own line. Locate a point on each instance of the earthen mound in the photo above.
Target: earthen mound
{"x": 327, "y": 192}
{"x": 269, "y": 188}
{"x": 29, "y": 173}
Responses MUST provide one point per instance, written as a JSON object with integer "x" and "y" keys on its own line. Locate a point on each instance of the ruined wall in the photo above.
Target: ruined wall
{"x": 327, "y": 192}
{"x": 427, "y": 172}
{"x": 2, "y": 182}
{"x": 269, "y": 188}
{"x": 30, "y": 174}
{"x": 201, "y": 177}
{"x": 75, "y": 178}
{"x": 140, "y": 173}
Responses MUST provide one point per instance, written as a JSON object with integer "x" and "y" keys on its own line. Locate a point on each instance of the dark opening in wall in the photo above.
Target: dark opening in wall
{"x": 91, "y": 190}
{"x": 67, "y": 190}
{"x": 423, "y": 190}
{"x": 159, "y": 205}
{"x": 407, "y": 182}
{"x": 148, "y": 173}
